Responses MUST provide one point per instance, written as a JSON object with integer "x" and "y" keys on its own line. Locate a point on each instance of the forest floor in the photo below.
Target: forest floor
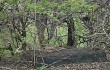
{"x": 72, "y": 66}
{"x": 18, "y": 64}
{"x": 83, "y": 66}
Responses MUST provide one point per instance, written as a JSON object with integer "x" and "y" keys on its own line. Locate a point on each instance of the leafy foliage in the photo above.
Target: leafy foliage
{"x": 42, "y": 68}
{"x": 73, "y": 6}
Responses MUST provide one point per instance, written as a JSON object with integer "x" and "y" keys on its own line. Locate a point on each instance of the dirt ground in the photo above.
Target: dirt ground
{"x": 83, "y": 66}
{"x": 73, "y": 66}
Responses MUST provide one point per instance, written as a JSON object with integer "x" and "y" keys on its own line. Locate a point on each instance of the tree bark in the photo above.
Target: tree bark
{"x": 71, "y": 32}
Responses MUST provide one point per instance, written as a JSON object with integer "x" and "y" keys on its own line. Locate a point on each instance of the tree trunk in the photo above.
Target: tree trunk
{"x": 71, "y": 29}
{"x": 23, "y": 35}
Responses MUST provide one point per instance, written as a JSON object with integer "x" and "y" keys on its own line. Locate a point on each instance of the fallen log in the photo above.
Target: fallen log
{"x": 66, "y": 56}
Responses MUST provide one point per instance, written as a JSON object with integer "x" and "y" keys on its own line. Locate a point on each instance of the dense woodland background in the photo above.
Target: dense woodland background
{"x": 36, "y": 24}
